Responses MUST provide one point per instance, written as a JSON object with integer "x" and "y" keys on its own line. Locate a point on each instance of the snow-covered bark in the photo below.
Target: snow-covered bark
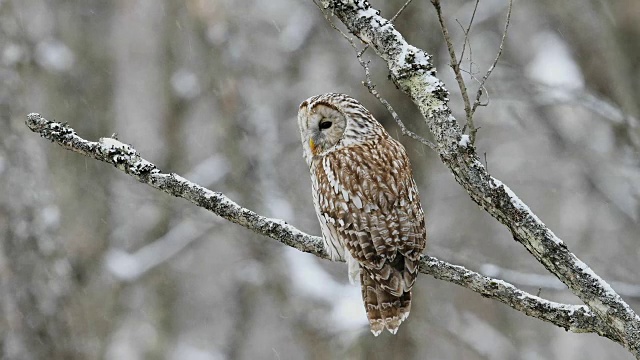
{"x": 412, "y": 70}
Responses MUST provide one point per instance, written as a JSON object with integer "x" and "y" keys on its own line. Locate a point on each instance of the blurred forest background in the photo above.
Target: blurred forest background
{"x": 94, "y": 265}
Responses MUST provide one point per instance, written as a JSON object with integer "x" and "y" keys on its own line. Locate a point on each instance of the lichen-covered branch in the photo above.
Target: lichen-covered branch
{"x": 549, "y": 282}
{"x": 576, "y": 318}
{"x": 413, "y": 72}
{"x": 126, "y": 158}
{"x": 562, "y": 315}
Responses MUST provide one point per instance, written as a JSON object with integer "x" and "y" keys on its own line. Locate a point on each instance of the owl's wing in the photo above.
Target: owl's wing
{"x": 374, "y": 200}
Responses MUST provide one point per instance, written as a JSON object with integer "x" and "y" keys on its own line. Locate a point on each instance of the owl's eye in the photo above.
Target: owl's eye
{"x": 325, "y": 125}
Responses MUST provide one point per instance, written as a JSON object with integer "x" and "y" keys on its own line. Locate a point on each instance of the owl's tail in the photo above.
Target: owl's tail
{"x": 384, "y": 309}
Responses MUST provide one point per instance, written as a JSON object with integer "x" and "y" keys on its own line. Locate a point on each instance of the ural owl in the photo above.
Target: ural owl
{"x": 366, "y": 201}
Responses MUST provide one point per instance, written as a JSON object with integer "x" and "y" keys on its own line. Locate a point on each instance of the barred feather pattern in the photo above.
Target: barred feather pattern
{"x": 367, "y": 203}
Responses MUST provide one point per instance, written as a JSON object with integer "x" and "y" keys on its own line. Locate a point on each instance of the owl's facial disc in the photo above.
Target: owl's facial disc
{"x": 326, "y": 127}
{"x": 318, "y": 141}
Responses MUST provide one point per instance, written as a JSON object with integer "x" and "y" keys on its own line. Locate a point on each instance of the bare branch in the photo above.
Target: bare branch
{"x": 477, "y": 103}
{"x": 481, "y": 88}
{"x": 508, "y": 294}
{"x": 576, "y": 318}
{"x": 466, "y": 32}
{"x": 455, "y": 65}
{"x": 412, "y": 71}
{"x": 400, "y": 10}
{"x": 549, "y": 282}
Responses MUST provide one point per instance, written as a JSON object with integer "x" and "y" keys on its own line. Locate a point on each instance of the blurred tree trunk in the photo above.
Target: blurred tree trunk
{"x": 35, "y": 276}
{"x": 139, "y": 42}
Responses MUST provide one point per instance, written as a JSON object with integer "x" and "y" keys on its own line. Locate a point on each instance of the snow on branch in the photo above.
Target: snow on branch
{"x": 126, "y": 158}
{"x": 576, "y": 318}
{"x": 549, "y": 282}
{"x": 413, "y": 72}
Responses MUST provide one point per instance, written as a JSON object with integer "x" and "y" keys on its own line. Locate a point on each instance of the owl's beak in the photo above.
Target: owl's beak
{"x": 312, "y": 145}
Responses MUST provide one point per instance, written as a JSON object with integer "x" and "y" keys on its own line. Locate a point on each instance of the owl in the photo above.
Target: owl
{"x": 366, "y": 201}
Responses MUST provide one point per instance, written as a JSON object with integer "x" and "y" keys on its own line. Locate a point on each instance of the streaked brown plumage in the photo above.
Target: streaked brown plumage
{"x": 366, "y": 201}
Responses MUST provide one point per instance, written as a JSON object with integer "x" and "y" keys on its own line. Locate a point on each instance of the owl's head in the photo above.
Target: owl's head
{"x": 331, "y": 121}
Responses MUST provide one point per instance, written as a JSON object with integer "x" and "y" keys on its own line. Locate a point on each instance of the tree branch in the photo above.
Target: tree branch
{"x": 466, "y": 34}
{"x": 413, "y": 72}
{"x": 477, "y": 102}
{"x": 126, "y": 158}
{"x": 549, "y": 282}
{"x": 455, "y": 65}
{"x": 576, "y": 318}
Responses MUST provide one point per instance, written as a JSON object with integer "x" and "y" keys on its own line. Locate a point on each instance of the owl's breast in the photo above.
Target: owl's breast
{"x": 325, "y": 201}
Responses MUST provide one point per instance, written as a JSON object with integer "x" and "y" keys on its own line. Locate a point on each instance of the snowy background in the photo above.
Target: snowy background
{"x": 94, "y": 265}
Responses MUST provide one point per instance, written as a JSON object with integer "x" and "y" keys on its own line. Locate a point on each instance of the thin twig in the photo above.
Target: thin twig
{"x": 400, "y": 11}
{"x": 455, "y": 65}
{"x": 477, "y": 103}
{"x": 371, "y": 87}
{"x": 466, "y": 32}
{"x": 481, "y": 87}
